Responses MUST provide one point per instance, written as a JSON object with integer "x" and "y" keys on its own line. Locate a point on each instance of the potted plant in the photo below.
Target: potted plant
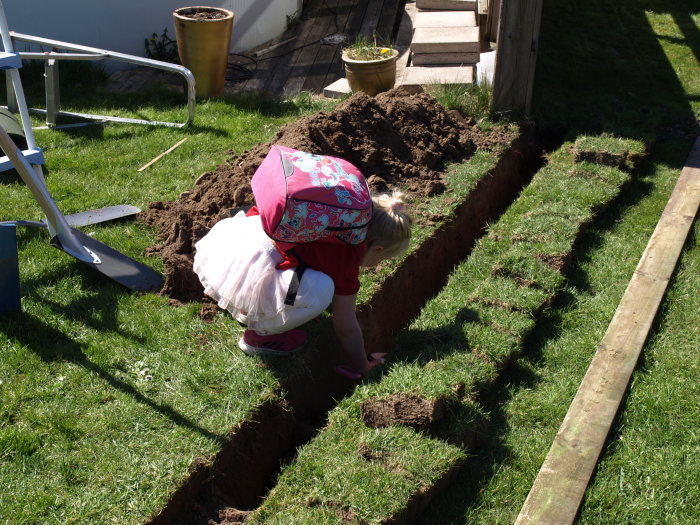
{"x": 203, "y": 37}
{"x": 370, "y": 67}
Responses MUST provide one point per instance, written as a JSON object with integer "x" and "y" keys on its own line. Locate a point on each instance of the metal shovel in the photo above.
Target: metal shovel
{"x": 101, "y": 257}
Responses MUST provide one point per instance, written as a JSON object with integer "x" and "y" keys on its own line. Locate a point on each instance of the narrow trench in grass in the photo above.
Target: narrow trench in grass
{"x": 244, "y": 471}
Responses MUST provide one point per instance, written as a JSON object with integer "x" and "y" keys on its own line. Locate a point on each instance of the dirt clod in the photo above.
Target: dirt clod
{"x": 404, "y": 409}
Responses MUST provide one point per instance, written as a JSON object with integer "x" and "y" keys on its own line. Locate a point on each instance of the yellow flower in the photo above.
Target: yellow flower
{"x": 385, "y": 50}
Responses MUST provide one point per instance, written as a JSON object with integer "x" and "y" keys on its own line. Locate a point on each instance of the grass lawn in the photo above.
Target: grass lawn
{"x": 107, "y": 397}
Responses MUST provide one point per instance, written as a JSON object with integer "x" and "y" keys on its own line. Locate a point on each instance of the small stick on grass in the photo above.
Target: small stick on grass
{"x": 161, "y": 155}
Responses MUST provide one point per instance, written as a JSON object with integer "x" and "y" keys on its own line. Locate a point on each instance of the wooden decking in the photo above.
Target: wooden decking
{"x": 298, "y": 60}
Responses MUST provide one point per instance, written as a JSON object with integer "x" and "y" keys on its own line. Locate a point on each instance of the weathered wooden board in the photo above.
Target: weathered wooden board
{"x": 445, "y": 40}
{"x": 291, "y": 80}
{"x": 560, "y": 485}
{"x": 434, "y": 59}
{"x": 425, "y": 76}
{"x": 492, "y": 19}
{"x": 329, "y": 66}
{"x": 385, "y": 24}
{"x": 456, "y": 5}
{"x": 9, "y": 270}
{"x": 445, "y": 19}
{"x": 516, "y": 54}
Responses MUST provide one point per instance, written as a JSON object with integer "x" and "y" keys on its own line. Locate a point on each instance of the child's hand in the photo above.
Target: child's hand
{"x": 375, "y": 359}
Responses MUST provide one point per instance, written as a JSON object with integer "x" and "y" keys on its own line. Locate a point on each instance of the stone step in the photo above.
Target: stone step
{"x": 337, "y": 89}
{"x": 432, "y": 59}
{"x": 445, "y": 19}
{"x": 424, "y": 76}
{"x": 448, "y": 5}
{"x": 446, "y": 40}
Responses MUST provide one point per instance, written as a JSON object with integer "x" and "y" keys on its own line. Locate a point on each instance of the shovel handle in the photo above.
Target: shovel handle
{"x": 68, "y": 242}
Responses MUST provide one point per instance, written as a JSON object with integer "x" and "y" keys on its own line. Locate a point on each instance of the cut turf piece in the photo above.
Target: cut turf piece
{"x": 404, "y": 409}
{"x": 527, "y": 271}
{"x": 454, "y": 350}
{"x": 509, "y": 294}
{"x": 608, "y": 150}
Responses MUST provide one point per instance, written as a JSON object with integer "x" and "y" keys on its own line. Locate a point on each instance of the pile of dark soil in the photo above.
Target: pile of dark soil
{"x": 398, "y": 140}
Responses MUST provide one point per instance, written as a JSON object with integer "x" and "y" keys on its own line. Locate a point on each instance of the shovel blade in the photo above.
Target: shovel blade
{"x": 109, "y": 213}
{"x": 117, "y": 266}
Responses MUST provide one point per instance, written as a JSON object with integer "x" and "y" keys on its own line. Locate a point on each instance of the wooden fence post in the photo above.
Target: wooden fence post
{"x": 516, "y": 53}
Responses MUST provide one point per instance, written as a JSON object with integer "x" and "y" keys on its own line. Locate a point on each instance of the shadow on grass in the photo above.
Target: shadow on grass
{"x": 96, "y": 309}
{"x": 94, "y": 130}
{"x": 594, "y": 64}
{"x": 592, "y": 237}
{"x": 450, "y": 506}
{"x": 52, "y": 345}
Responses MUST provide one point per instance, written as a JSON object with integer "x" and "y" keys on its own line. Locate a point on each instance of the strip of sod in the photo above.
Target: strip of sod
{"x": 402, "y": 437}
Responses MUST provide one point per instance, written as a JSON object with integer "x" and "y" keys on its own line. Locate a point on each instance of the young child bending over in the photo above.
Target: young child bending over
{"x": 244, "y": 271}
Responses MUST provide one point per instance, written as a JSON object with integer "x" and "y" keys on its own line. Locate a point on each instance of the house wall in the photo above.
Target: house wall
{"x": 123, "y": 25}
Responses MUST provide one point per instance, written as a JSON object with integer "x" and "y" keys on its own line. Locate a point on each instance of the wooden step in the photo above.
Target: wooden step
{"x": 445, "y": 19}
{"x": 425, "y": 76}
{"x": 446, "y": 40}
{"x": 433, "y": 59}
{"x": 448, "y": 5}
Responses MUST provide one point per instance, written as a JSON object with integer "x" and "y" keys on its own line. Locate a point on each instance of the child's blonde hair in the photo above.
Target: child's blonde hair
{"x": 390, "y": 226}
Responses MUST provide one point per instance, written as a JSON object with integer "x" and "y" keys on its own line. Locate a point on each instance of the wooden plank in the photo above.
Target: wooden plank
{"x": 268, "y": 56}
{"x": 9, "y": 270}
{"x": 492, "y": 20}
{"x": 436, "y": 59}
{"x": 265, "y": 65}
{"x": 385, "y": 25}
{"x": 446, "y": 5}
{"x": 371, "y": 18}
{"x": 352, "y": 28}
{"x": 445, "y": 19}
{"x": 318, "y": 73}
{"x": 445, "y": 40}
{"x": 516, "y": 54}
{"x": 562, "y": 480}
{"x": 425, "y": 75}
{"x": 309, "y": 32}
{"x": 323, "y": 24}
{"x": 403, "y": 41}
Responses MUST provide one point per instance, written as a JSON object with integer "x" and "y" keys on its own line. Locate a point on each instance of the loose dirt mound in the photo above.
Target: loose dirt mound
{"x": 397, "y": 140}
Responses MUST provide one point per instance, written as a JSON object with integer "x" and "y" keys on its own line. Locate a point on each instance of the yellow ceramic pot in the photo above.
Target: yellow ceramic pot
{"x": 203, "y": 37}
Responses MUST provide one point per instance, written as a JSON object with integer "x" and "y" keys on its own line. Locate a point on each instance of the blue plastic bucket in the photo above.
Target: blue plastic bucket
{"x": 9, "y": 269}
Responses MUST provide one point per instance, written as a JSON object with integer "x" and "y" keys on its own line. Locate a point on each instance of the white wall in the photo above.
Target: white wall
{"x": 123, "y": 25}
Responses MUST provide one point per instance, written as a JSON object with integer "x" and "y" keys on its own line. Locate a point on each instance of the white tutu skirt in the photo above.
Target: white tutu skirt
{"x": 236, "y": 263}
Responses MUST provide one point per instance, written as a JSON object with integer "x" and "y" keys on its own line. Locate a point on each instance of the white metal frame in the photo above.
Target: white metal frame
{"x": 78, "y": 52}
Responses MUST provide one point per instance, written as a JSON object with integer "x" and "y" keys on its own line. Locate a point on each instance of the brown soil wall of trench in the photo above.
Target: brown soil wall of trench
{"x": 241, "y": 473}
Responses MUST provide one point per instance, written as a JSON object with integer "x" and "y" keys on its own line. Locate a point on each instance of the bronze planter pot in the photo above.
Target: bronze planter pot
{"x": 371, "y": 76}
{"x": 203, "y": 42}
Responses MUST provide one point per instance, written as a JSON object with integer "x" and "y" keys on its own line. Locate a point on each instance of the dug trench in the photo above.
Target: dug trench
{"x": 399, "y": 141}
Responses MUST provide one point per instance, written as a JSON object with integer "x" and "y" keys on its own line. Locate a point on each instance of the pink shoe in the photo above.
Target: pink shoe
{"x": 276, "y": 344}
